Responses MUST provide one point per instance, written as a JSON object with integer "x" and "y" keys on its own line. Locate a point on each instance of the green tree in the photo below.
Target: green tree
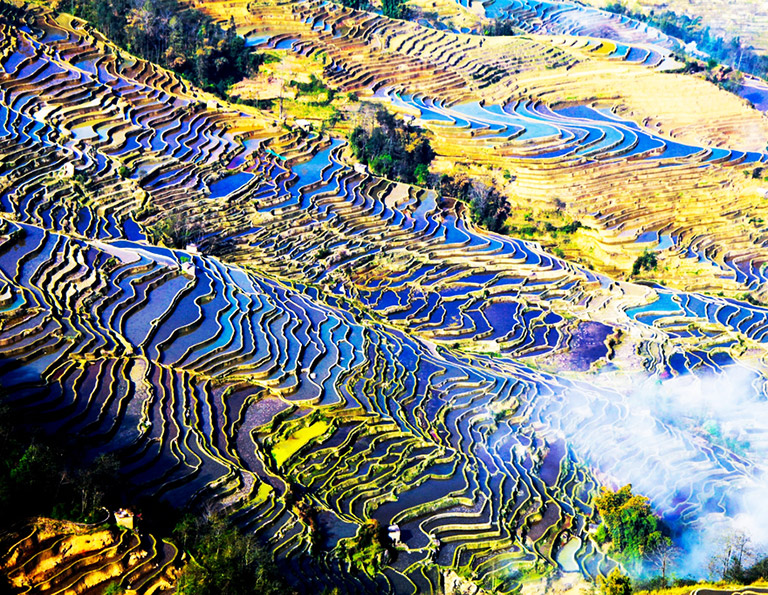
{"x": 629, "y": 521}
{"x": 394, "y": 9}
{"x": 226, "y": 561}
{"x": 490, "y": 209}
{"x": 381, "y": 165}
{"x": 422, "y": 174}
{"x": 393, "y": 148}
{"x": 647, "y": 260}
{"x": 615, "y": 583}
{"x": 114, "y": 589}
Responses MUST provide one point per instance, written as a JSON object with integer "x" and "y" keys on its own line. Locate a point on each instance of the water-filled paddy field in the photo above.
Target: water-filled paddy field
{"x": 359, "y": 341}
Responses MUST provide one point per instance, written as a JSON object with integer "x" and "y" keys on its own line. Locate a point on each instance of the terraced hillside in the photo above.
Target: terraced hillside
{"x": 60, "y": 557}
{"x": 353, "y": 346}
{"x": 608, "y": 172}
{"x": 746, "y": 19}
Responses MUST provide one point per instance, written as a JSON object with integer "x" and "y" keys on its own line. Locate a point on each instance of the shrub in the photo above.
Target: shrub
{"x": 393, "y": 148}
{"x": 421, "y": 172}
{"x": 490, "y": 209}
{"x": 615, "y": 583}
{"x": 646, "y": 261}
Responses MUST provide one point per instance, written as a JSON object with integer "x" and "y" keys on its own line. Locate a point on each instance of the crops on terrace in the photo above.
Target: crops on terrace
{"x": 252, "y": 324}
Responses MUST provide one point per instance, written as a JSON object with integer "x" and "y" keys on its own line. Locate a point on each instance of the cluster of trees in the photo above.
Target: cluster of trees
{"x": 459, "y": 186}
{"x": 393, "y": 149}
{"x": 737, "y": 561}
{"x": 616, "y": 583}
{"x": 315, "y": 87}
{"x": 641, "y": 540}
{"x": 500, "y": 28}
{"x": 398, "y": 150}
{"x": 646, "y": 261}
{"x": 394, "y": 9}
{"x": 42, "y": 476}
{"x": 12, "y": 13}
{"x": 489, "y": 208}
{"x": 629, "y": 523}
{"x": 176, "y": 231}
{"x": 224, "y": 560}
{"x": 730, "y": 52}
{"x": 636, "y": 535}
{"x": 532, "y": 227}
{"x": 175, "y": 36}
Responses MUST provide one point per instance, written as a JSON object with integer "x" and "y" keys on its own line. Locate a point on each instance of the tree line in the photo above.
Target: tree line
{"x": 690, "y": 29}
{"x": 643, "y": 543}
{"x": 175, "y": 36}
{"x": 394, "y": 9}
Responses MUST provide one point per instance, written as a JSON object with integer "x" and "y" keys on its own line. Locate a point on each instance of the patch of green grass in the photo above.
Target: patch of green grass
{"x": 282, "y": 451}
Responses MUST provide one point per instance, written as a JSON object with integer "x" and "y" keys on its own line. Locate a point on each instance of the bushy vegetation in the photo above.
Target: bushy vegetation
{"x": 393, "y": 148}
{"x": 616, "y": 583}
{"x": 12, "y": 13}
{"x": 224, "y": 560}
{"x": 689, "y": 29}
{"x": 646, "y": 261}
{"x": 490, "y": 209}
{"x": 500, "y": 27}
{"x": 738, "y": 572}
{"x": 42, "y": 476}
{"x": 628, "y": 523}
{"x": 369, "y": 550}
{"x": 459, "y": 186}
{"x": 176, "y": 231}
{"x": 737, "y": 561}
{"x": 315, "y": 87}
{"x": 175, "y": 36}
{"x": 399, "y": 150}
{"x": 394, "y": 9}
{"x": 531, "y": 227}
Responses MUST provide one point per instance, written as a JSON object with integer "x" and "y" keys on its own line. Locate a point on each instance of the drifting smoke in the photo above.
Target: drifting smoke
{"x": 697, "y": 446}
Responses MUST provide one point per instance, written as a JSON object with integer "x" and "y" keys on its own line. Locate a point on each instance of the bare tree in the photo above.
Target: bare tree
{"x": 743, "y": 551}
{"x": 663, "y": 556}
{"x": 734, "y": 551}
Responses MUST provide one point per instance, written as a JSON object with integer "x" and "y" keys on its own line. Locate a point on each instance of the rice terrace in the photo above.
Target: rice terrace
{"x": 383, "y": 296}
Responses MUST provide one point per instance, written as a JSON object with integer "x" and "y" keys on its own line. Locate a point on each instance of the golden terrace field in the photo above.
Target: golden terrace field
{"x": 707, "y": 208}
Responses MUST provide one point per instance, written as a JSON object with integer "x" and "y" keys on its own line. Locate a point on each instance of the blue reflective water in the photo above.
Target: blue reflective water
{"x": 229, "y": 184}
